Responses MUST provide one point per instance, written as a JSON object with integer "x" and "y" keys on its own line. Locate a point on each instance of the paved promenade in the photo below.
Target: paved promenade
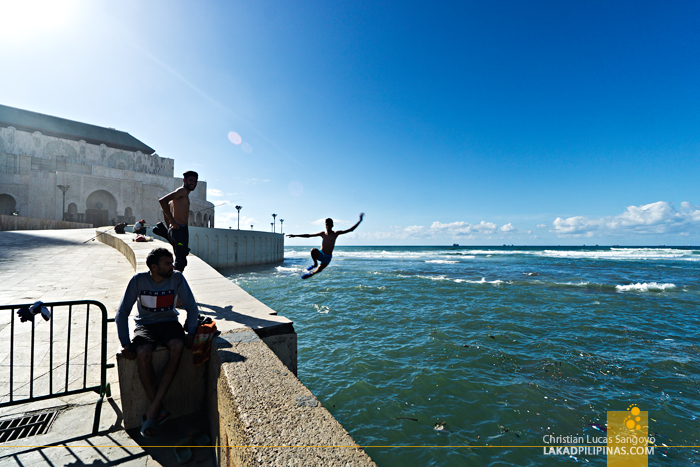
{"x": 56, "y": 265}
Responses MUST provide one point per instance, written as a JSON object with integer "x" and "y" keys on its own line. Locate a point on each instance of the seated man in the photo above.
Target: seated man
{"x": 140, "y": 227}
{"x": 155, "y": 293}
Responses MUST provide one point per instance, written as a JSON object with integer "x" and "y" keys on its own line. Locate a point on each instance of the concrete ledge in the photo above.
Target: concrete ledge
{"x": 263, "y": 415}
{"x": 229, "y": 249}
{"x": 108, "y": 236}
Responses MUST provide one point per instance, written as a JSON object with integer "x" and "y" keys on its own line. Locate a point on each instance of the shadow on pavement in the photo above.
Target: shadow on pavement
{"x": 161, "y": 448}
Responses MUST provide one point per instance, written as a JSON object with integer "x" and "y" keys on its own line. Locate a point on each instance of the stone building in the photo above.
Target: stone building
{"x": 58, "y": 169}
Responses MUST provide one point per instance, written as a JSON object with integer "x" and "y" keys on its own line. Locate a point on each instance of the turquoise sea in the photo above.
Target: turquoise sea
{"x": 490, "y": 349}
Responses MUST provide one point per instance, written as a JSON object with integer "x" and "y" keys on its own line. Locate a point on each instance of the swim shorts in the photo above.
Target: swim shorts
{"x": 324, "y": 258}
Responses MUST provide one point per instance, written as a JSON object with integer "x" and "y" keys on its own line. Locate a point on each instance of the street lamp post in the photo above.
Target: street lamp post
{"x": 238, "y": 208}
{"x": 282, "y": 226}
{"x": 271, "y": 226}
{"x": 251, "y": 226}
{"x": 63, "y": 188}
{"x": 274, "y": 217}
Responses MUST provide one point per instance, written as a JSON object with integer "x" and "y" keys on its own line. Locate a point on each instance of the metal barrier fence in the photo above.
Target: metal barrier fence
{"x": 37, "y": 350}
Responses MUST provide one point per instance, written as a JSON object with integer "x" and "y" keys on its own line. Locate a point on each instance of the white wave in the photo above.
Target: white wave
{"x": 436, "y": 278}
{"x": 436, "y": 256}
{"x": 459, "y": 281}
{"x": 286, "y": 269}
{"x": 575, "y": 284}
{"x": 323, "y": 309}
{"x": 368, "y": 254}
{"x": 644, "y": 287}
{"x": 482, "y": 281}
{"x": 441, "y": 261}
{"x": 488, "y": 253}
{"x": 367, "y": 287}
{"x": 624, "y": 254}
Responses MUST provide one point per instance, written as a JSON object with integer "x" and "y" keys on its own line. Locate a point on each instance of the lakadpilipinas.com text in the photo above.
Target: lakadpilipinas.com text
{"x": 597, "y": 445}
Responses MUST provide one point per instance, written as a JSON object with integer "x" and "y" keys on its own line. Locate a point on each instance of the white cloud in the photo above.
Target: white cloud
{"x": 225, "y": 219}
{"x": 693, "y": 210}
{"x": 416, "y": 231}
{"x": 462, "y": 229}
{"x": 439, "y": 230}
{"x": 650, "y": 219}
{"x": 541, "y": 226}
{"x": 377, "y": 235}
{"x": 214, "y": 192}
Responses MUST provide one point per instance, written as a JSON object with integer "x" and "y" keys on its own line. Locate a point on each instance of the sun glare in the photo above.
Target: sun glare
{"x": 31, "y": 18}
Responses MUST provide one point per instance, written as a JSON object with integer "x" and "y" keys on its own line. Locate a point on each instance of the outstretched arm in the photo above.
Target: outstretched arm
{"x": 341, "y": 232}
{"x": 306, "y": 235}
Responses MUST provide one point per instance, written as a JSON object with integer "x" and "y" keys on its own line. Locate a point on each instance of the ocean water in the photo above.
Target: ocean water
{"x": 441, "y": 356}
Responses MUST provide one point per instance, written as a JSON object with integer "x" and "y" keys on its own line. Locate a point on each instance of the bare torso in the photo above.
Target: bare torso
{"x": 180, "y": 206}
{"x": 328, "y": 242}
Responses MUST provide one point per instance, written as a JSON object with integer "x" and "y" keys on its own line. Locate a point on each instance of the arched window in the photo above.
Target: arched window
{"x": 101, "y": 206}
{"x": 72, "y": 215}
{"x": 8, "y": 205}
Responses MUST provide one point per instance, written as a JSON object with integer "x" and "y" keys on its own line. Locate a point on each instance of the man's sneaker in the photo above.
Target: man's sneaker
{"x": 160, "y": 230}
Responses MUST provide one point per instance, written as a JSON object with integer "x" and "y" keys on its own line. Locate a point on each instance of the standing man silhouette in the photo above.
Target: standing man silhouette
{"x": 176, "y": 210}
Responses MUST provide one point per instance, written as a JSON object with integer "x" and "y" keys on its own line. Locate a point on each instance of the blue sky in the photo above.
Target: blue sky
{"x": 480, "y": 122}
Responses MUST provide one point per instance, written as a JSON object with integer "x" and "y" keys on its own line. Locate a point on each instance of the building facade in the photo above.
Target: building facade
{"x": 58, "y": 169}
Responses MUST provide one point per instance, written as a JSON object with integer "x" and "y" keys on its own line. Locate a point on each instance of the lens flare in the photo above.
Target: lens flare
{"x": 235, "y": 138}
{"x": 247, "y": 148}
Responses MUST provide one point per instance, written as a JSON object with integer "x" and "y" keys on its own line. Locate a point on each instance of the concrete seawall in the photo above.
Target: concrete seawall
{"x": 228, "y": 248}
{"x": 259, "y": 411}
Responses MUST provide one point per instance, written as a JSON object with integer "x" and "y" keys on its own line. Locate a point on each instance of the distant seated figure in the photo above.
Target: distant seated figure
{"x": 155, "y": 294}
{"x": 140, "y": 227}
{"x": 119, "y": 228}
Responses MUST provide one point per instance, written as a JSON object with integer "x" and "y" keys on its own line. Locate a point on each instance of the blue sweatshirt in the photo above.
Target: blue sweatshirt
{"x": 155, "y": 302}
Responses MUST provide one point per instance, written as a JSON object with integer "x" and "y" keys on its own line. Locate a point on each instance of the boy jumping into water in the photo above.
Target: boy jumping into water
{"x": 325, "y": 254}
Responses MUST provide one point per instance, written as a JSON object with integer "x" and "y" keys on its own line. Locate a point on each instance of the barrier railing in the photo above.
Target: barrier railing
{"x": 37, "y": 350}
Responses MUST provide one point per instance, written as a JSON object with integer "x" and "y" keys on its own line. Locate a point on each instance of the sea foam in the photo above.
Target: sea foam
{"x": 644, "y": 287}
